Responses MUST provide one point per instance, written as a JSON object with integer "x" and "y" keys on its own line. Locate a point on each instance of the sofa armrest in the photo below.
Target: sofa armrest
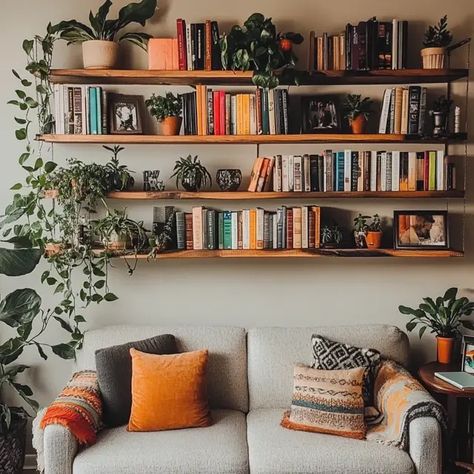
{"x": 425, "y": 445}
{"x": 60, "y": 448}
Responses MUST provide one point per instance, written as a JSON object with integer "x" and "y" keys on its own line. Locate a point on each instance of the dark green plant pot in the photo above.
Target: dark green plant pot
{"x": 192, "y": 182}
{"x": 12, "y": 447}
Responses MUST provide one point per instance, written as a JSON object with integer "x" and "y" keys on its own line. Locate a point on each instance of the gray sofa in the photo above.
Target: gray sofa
{"x": 250, "y": 385}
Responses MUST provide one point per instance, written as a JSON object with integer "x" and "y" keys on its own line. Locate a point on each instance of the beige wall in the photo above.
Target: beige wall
{"x": 226, "y": 292}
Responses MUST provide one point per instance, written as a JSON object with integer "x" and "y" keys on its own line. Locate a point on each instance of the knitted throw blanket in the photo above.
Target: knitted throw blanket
{"x": 78, "y": 408}
{"x": 400, "y": 398}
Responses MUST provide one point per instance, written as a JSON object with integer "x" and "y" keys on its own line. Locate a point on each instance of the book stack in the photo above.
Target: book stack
{"x": 216, "y": 112}
{"x": 80, "y": 110}
{"x": 366, "y": 46}
{"x": 249, "y": 229}
{"x": 403, "y": 111}
{"x": 354, "y": 171}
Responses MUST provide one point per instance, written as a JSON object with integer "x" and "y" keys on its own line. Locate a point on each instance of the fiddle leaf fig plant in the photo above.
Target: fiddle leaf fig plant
{"x": 442, "y": 316}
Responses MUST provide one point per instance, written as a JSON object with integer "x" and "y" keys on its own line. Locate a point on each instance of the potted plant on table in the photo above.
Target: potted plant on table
{"x": 357, "y": 112}
{"x": 374, "y": 234}
{"x": 442, "y": 317}
{"x": 191, "y": 174}
{"x": 167, "y": 111}
{"x": 360, "y": 231}
{"x": 100, "y": 39}
{"x": 437, "y": 39}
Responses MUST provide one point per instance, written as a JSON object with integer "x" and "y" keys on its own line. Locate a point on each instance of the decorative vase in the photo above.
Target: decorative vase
{"x": 12, "y": 447}
{"x": 433, "y": 58}
{"x": 192, "y": 182}
{"x": 99, "y": 54}
{"x": 445, "y": 347}
{"x": 170, "y": 126}
{"x": 229, "y": 179}
{"x": 360, "y": 239}
{"x": 374, "y": 239}
{"x": 440, "y": 120}
{"x": 359, "y": 124}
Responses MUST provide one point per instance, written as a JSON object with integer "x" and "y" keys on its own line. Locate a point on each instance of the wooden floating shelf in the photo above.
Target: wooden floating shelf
{"x": 242, "y": 139}
{"x": 296, "y": 253}
{"x": 249, "y": 196}
{"x": 153, "y": 77}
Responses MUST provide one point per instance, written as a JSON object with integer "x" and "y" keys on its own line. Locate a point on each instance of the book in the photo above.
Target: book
{"x": 197, "y": 228}
{"x": 180, "y": 230}
{"x": 208, "y": 46}
{"x": 216, "y": 64}
{"x": 227, "y": 230}
{"x": 383, "y": 123}
{"x": 182, "y": 47}
{"x": 414, "y": 94}
{"x": 461, "y": 380}
{"x": 188, "y": 218}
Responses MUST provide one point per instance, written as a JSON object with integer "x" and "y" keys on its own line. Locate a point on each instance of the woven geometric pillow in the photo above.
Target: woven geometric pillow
{"x": 327, "y": 401}
{"x": 332, "y": 355}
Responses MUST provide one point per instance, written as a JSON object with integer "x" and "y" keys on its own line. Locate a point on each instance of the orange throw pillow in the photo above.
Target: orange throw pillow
{"x": 169, "y": 391}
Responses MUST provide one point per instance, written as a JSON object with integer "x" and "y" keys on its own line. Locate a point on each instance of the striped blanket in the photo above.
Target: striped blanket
{"x": 78, "y": 408}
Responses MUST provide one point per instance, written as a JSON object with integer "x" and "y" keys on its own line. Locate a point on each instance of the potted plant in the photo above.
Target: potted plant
{"x": 437, "y": 39}
{"x": 167, "y": 111}
{"x": 357, "y": 111}
{"x": 442, "y": 317}
{"x": 374, "y": 233}
{"x": 331, "y": 236}
{"x": 360, "y": 231}
{"x": 119, "y": 176}
{"x": 440, "y": 113}
{"x": 256, "y": 46}
{"x": 191, "y": 174}
{"x": 100, "y": 39}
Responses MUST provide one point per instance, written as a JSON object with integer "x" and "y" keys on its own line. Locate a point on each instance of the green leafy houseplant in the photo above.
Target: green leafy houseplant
{"x": 374, "y": 233}
{"x": 191, "y": 174}
{"x": 331, "y": 236}
{"x": 119, "y": 176}
{"x": 165, "y": 106}
{"x": 360, "y": 230}
{"x": 375, "y": 225}
{"x": 257, "y": 46}
{"x": 438, "y": 36}
{"x": 357, "y": 110}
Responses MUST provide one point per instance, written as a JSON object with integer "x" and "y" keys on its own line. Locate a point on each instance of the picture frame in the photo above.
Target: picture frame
{"x": 126, "y": 114}
{"x": 420, "y": 229}
{"x": 467, "y": 364}
{"x": 320, "y": 114}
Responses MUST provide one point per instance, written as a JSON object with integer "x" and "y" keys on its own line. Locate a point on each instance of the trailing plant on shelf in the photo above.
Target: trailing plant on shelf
{"x": 443, "y": 316}
{"x": 360, "y": 230}
{"x": 167, "y": 111}
{"x": 437, "y": 38}
{"x": 100, "y": 39}
{"x": 357, "y": 110}
{"x": 256, "y": 46}
{"x": 191, "y": 174}
{"x": 119, "y": 176}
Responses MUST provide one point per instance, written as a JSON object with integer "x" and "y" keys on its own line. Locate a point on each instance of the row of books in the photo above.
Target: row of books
{"x": 403, "y": 110}
{"x": 248, "y": 229}
{"x": 353, "y": 171}
{"x": 216, "y": 112}
{"x": 368, "y": 45}
{"x": 196, "y": 47}
{"x": 80, "y": 109}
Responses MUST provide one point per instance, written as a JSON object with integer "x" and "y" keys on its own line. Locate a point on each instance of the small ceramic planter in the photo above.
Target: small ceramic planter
{"x": 170, "y": 126}
{"x": 99, "y": 54}
{"x": 192, "y": 182}
{"x": 445, "y": 347}
{"x": 433, "y": 58}
{"x": 229, "y": 179}
{"x": 374, "y": 240}
{"x": 359, "y": 124}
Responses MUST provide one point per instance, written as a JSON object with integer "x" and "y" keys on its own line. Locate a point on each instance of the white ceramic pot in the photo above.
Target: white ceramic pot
{"x": 433, "y": 58}
{"x": 99, "y": 54}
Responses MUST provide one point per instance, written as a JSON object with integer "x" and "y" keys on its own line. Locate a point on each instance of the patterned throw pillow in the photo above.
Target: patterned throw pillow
{"x": 332, "y": 355}
{"x": 327, "y": 401}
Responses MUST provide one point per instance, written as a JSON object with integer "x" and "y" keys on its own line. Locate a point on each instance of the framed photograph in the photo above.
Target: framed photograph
{"x": 320, "y": 114}
{"x": 420, "y": 230}
{"x": 125, "y": 114}
{"x": 468, "y": 354}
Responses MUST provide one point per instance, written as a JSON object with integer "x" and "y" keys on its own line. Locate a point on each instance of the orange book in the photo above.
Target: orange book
{"x": 255, "y": 174}
{"x": 156, "y": 53}
{"x": 204, "y": 110}
{"x": 239, "y": 114}
{"x": 253, "y": 229}
{"x": 263, "y": 174}
{"x": 198, "y": 109}
{"x": 175, "y": 58}
{"x": 267, "y": 186}
{"x": 208, "y": 47}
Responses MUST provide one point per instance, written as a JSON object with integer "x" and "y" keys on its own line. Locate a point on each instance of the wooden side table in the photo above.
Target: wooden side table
{"x": 462, "y": 439}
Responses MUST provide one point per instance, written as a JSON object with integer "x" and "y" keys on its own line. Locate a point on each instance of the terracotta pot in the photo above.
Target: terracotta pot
{"x": 52, "y": 248}
{"x": 99, "y": 54}
{"x": 51, "y": 194}
{"x": 433, "y": 58}
{"x": 358, "y": 124}
{"x": 445, "y": 349}
{"x": 374, "y": 239}
{"x": 170, "y": 126}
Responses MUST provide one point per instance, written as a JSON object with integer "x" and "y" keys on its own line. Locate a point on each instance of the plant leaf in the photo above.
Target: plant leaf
{"x": 20, "y": 307}
{"x": 16, "y": 262}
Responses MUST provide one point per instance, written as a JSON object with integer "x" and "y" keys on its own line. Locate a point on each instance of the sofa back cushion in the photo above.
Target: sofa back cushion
{"x": 227, "y": 367}
{"x": 273, "y": 352}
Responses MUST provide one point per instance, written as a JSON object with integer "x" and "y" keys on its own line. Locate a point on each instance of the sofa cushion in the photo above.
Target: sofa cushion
{"x": 114, "y": 374}
{"x": 227, "y": 368}
{"x": 274, "y": 449}
{"x": 273, "y": 352}
{"x": 220, "y": 448}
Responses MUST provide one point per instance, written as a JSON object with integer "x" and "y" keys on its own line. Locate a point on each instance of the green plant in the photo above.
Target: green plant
{"x": 119, "y": 176}
{"x": 331, "y": 234}
{"x": 164, "y": 106}
{"x": 360, "y": 223}
{"x": 191, "y": 168}
{"x": 103, "y": 29}
{"x": 354, "y": 106}
{"x": 438, "y": 36}
{"x": 375, "y": 225}
{"x": 256, "y": 46}
{"x": 442, "y": 316}
{"x": 442, "y": 104}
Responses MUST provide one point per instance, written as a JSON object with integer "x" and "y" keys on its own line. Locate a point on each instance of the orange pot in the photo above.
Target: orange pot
{"x": 445, "y": 347}
{"x": 358, "y": 124}
{"x": 170, "y": 126}
{"x": 373, "y": 239}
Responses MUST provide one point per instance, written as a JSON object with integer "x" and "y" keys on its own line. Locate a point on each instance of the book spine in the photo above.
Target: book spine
{"x": 220, "y": 230}
{"x": 297, "y": 173}
{"x": 306, "y": 173}
{"x": 422, "y": 112}
{"x": 373, "y": 171}
{"x": 99, "y": 109}
{"x": 208, "y": 46}
{"x": 215, "y": 47}
{"x": 284, "y": 94}
{"x": 297, "y": 229}
{"x": 304, "y": 227}
{"x": 395, "y": 171}
{"x": 197, "y": 228}
{"x": 182, "y": 48}
{"x": 291, "y": 173}
{"x": 227, "y": 230}
{"x": 265, "y": 116}
{"x": 271, "y": 112}
{"x": 329, "y": 171}
{"x": 340, "y": 171}
{"x": 411, "y": 171}
{"x": 93, "y": 110}
{"x": 420, "y": 171}
{"x": 280, "y": 228}
{"x": 383, "y": 123}
{"x": 354, "y": 170}
{"x": 234, "y": 230}
{"x": 311, "y": 234}
{"x": 77, "y": 110}
{"x": 200, "y": 46}
{"x": 263, "y": 174}
{"x": 253, "y": 229}
{"x": 222, "y": 113}
{"x": 284, "y": 176}
{"x": 388, "y": 171}
{"x": 414, "y": 93}
{"x": 211, "y": 230}
{"x": 180, "y": 230}
{"x": 240, "y": 230}
{"x": 404, "y": 171}
{"x": 246, "y": 229}
{"x": 289, "y": 228}
{"x": 383, "y": 171}
{"x": 440, "y": 170}
{"x": 277, "y": 174}
{"x": 189, "y": 48}
{"x": 266, "y": 230}
{"x": 259, "y": 228}
{"x": 188, "y": 218}
{"x": 432, "y": 176}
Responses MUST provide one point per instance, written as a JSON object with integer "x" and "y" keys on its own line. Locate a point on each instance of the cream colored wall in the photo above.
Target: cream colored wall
{"x": 238, "y": 292}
